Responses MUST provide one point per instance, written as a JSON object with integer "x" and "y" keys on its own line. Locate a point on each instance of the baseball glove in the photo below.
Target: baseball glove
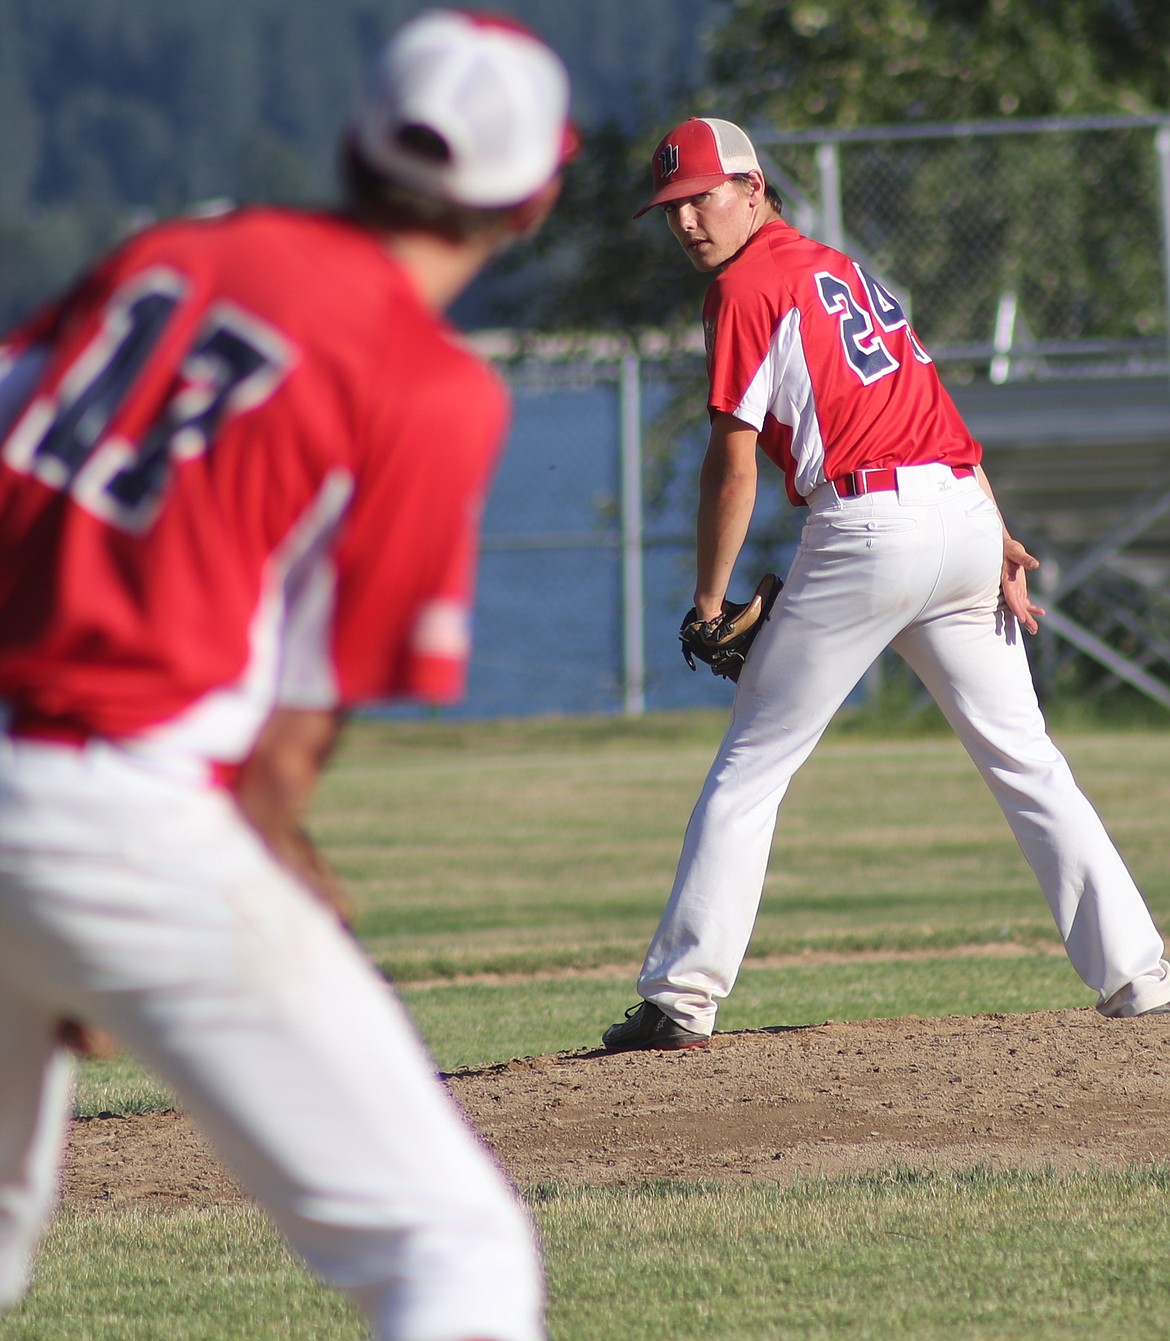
{"x": 724, "y": 642}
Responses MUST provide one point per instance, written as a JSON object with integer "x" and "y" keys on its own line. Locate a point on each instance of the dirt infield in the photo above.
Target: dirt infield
{"x": 1051, "y": 1089}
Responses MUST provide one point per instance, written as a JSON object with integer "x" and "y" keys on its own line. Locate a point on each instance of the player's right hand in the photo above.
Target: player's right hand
{"x": 301, "y": 855}
{"x": 86, "y": 1040}
{"x": 1017, "y": 564}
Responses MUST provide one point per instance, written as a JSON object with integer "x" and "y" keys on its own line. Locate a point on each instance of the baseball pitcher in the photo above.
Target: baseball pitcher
{"x": 813, "y": 363}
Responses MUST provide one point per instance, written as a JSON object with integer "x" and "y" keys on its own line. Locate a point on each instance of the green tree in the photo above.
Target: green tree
{"x": 1068, "y": 224}
{"x": 116, "y": 111}
{"x": 803, "y": 63}
{"x": 600, "y": 269}
{"x": 140, "y": 109}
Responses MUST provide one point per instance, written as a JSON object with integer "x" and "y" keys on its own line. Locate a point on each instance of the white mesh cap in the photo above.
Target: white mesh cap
{"x": 696, "y": 156}
{"x": 466, "y": 108}
{"x": 736, "y": 151}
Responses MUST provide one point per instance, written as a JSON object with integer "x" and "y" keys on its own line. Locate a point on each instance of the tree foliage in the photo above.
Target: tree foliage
{"x": 113, "y": 111}
{"x": 116, "y": 111}
{"x": 1067, "y": 223}
{"x": 601, "y": 269}
{"x": 1073, "y": 231}
{"x": 803, "y": 63}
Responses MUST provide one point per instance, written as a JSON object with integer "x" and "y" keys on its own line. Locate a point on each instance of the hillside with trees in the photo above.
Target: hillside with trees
{"x": 113, "y": 112}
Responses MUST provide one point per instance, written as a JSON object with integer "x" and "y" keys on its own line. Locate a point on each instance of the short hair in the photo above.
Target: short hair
{"x": 771, "y": 195}
{"x": 378, "y": 201}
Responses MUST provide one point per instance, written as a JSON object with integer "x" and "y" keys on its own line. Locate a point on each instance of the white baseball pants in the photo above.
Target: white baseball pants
{"x": 917, "y": 569}
{"x": 144, "y": 904}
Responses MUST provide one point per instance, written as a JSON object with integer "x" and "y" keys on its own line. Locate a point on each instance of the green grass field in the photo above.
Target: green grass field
{"x": 536, "y": 850}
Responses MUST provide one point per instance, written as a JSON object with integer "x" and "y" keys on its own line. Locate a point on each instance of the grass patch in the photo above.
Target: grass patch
{"x": 522, "y": 847}
{"x": 476, "y": 1024}
{"x": 118, "y": 1085}
{"x": 195, "y": 1275}
{"x": 927, "y": 987}
{"x": 973, "y": 1255}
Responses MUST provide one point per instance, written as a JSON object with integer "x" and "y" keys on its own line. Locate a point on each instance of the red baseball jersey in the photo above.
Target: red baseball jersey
{"x": 241, "y": 465}
{"x": 816, "y": 355}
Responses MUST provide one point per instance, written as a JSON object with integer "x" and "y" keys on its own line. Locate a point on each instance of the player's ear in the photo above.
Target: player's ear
{"x": 527, "y": 217}
{"x": 756, "y": 185}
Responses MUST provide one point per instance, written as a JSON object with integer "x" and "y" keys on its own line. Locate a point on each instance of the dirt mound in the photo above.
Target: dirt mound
{"x": 1057, "y": 1089}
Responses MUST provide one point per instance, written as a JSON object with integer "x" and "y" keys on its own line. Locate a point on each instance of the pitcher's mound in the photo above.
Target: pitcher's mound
{"x": 1050, "y": 1089}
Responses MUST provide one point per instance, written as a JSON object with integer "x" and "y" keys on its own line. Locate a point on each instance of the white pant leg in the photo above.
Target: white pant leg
{"x": 865, "y": 568}
{"x": 919, "y": 570}
{"x": 975, "y": 666}
{"x": 152, "y": 909}
{"x": 35, "y": 1095}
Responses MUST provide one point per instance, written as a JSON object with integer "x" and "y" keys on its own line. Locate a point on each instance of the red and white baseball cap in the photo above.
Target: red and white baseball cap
{"x": 490, "y": 97}
{"x": 696, "y": 156}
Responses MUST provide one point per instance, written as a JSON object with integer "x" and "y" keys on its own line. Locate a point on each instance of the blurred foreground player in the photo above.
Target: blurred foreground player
{"x": 241, "y": 468}
{"x": 812, "y": 361}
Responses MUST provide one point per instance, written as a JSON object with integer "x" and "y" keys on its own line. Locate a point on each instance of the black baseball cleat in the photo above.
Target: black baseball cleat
{"x": 645, "y": 1026}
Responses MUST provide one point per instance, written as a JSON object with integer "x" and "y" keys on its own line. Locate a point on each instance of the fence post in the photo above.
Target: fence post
{"x": 633, "y": 597}
{"x": 1004, "y": 338}
{"x": 832, "y": 216}
{"x": 1162, "y": 149}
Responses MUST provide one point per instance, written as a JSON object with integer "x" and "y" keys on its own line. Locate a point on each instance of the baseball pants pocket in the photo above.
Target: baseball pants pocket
{"x": 982, "y": 509}
{"x": 825, "y": 529}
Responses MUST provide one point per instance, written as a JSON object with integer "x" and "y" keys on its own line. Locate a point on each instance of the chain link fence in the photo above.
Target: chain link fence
{"x": 1049, "y": 238}
{"x": 587, "y": 555}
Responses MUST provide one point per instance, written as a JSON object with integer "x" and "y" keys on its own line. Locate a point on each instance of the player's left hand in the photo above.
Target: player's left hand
{"x": 723, "y": 643}
{"x": 86, "y": 1040}
{"x": 1017, "y": 564}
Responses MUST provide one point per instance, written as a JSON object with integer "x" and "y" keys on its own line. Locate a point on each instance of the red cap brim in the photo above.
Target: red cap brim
{"x": 676, "y": 190}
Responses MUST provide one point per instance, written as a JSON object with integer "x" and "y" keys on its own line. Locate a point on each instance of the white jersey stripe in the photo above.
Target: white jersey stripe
{"x": 289, "y": 661}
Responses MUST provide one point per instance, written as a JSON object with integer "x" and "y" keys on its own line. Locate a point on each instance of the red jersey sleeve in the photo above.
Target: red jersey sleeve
{"x": 407, "y": 559}
{"x": 738, "y": 324}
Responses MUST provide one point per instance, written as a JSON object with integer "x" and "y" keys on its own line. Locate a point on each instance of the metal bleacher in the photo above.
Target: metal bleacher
{"x": 1081, "y": 469}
